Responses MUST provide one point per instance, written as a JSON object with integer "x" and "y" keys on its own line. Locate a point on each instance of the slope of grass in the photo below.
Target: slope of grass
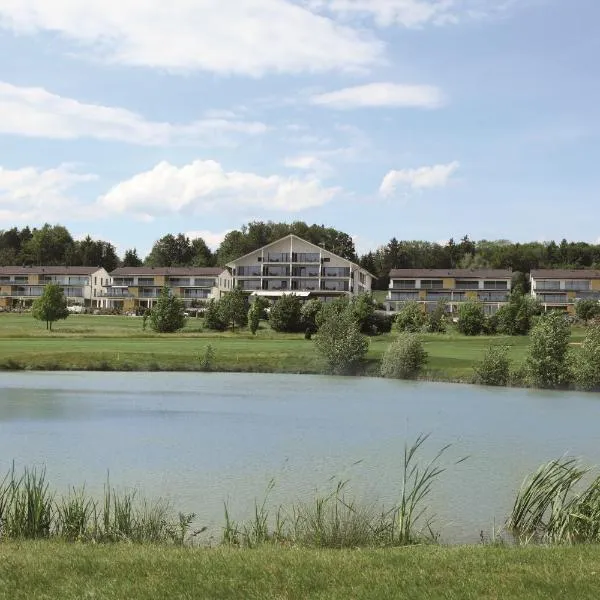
{"x": 48, "y": 570}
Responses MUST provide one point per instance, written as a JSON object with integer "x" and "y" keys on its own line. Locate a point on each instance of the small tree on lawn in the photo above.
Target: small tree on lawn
{"x": 167, "y": 315}
{"x": 587, "y": 366}
{"x": 233, "y": 309}
{"x": 547, "y": 363}
{"x": 435, "y": 321}
{"x": 213, "y": 318}
{"x": 471, "y": 318}
{"x": 587, "y": 309}
{"x": 254, "y": 316}
{"x": 516, "y": 317}
{"x": 331, "y": 310}
{"x": 341, "y": 344}
{"x": 494, "y": 369}
{"x": 404, "y": 358}
{"x": 410, "y": 318}
{"x": 51, "y": 305}
{"x": 363, "y": 308}
{"x": 286, "y": 314}
{"x": 309, "y": 312}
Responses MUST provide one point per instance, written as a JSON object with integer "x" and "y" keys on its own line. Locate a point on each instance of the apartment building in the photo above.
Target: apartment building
{"x": 292, "y": 265}
{"x": 83, "y": 286}
{"x": 453, "y": 286}
{"x": 132, "y": 288}
{"x": 558, "y": 289}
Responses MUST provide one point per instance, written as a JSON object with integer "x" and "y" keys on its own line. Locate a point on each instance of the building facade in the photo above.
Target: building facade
{"x": 452, "y": 286}
{"x": 133, "y": 288}
{"x": 292, "y": 265}
{"x": 82, "y": 286}
{"x": 558, "y": 289}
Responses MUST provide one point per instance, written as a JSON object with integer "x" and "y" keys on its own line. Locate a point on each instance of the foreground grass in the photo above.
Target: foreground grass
{"x": 36, "y": 570}
{"x": 115, "y": 342}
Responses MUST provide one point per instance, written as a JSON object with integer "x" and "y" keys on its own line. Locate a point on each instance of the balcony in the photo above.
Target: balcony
{"x": 249, "y": 284}
{"x": 195, "y": 294}
{"x": 403, "y": 284}
{"x": 306, "y": 257}
{"x": 553, "y": 298}
{"x": 403, "y": 296}
{"x": 335, "y": 272}
{"x": 116, "y": 293}
{"x": 335, "y": 286}
{"x": 179, "y": 281}
{"x": 492, "y": 297}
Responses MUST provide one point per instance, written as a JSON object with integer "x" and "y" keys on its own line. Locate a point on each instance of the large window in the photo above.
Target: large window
{"x": 249, "y": 284}
{"x": 312, "y": 271}
{"x": 207, "y": 283}
{"x": 553, "y": 298}
{"x": 437, "y": 296}
{"x": 335, "y": 286}
{"x": 404, "y": 284}
{"x": 305, "y": 284}
{"x": 495, "y": 285}
{"x": 404, "y": 296}
{"x": 336, "y": 271}
{"x": 467, "y": 285}
{"x": 492, "y": 297}
{"x": 548, "y": 284}
{"x": 577, "y": 284}
{"x": 181, "y": 281}
{"x": 432, "y": 284}
{"x": 123, "y": 281}
{"x": 252, "y": 271}
{"x": 275, "y": 284}
{"x": 145, "y": 280}
{"x": 278, "y": 257}
{"x": 277, "y": 271}
{"x": 306, "y": 257}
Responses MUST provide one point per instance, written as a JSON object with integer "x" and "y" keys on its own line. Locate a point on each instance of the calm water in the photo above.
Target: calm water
{"x": 201, "y": 439}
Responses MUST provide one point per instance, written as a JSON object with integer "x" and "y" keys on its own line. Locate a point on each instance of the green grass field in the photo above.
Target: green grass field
{"x": 116, "y": 342}
{"x": 49, "y": 570}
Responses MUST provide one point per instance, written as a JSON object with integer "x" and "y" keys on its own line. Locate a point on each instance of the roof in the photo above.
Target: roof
{"x": 565, "y": 274}
{"x": 13, "y": 270}
{"x": 460, "y": 273}
{"x": 294, "y": 236}
{"x": 169, "y": 271}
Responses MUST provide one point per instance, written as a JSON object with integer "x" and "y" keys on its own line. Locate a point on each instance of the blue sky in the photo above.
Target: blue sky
{"x": 420, "y": 119}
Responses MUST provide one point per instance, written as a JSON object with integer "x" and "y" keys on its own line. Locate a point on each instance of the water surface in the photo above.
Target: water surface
{"x": 200, "y": 439}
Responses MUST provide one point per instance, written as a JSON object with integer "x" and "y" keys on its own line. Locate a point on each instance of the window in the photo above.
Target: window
{"x": 432, "y": 284}
{"x": 466, "y": 285}
{"x": 146, "y": 280}
{"x": 249, "y": 271}
{"x": 492, "y": 297}
{"x": 495, "y": 285}
{"x": 403, "y": 296}
{"x": 553, "y": 298}
{"x": 577, "y": 284}
{"x": 404, "y": 284}
{"x": 95, "y": 280}
{"x": 548, "y": 284}
{"x": 278, "y": 257}
{"x": 306, "y": 257}
{"x": 336, "y": 271}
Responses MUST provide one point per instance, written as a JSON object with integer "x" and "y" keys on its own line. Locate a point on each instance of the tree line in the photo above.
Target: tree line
{"x": 54, "y": 245}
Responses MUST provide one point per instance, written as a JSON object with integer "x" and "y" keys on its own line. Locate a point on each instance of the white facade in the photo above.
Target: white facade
{"x": 292, "y": 265}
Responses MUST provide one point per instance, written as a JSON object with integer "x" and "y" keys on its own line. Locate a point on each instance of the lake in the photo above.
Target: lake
{"x": 200, "y": 439}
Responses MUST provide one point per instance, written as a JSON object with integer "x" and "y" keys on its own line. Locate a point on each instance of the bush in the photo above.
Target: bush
{"x": 167, "y": 316}
{"x": 435, "y": 321}
{"x": 341, "y": 344}
{"x": 410, "y": 318}
{"x": 381, "y": 323}
{"x": 494, "y": 369}
{"x": 516, "y": 317}
{"x": 490, "y": 325}
{"x": 206, "y": 358}
{"x": 310, "y": 312}
{"x": 587, "y": 309}
{"x": 587, "y": 366}
{"x": 404, "y": 358}
{"x": 213, "y": 318}
{"x": 254, "y": 317}
{"x": 286, "y": 315}
{"x": 233, "y": 309}
{"x": 471, "y": 318}
{"x": 363, "y": 309}
{"x": 547, "y": 364}
{"x": 332, "y": 309}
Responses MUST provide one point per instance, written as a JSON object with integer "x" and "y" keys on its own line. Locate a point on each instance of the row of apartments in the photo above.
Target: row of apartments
{"x": 555, "y": 289}
{"x": 289, "y": 265}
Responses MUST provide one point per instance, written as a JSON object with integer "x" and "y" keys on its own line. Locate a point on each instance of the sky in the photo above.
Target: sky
{"x": 419, "y": 119}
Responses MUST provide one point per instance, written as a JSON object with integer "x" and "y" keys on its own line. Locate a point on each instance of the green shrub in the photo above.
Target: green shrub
{"x": 494, "y": 369}
{"x": 516, "y": 317}
{"x": 286, "y": 314}
{"x": 547, "y": 363}
{"x": 587, "y": 366}
{"x": 404, "y": 358}
{"x": 254, "y": 317}
{"x": 206, "y": 358}
{"x": 341, "y": 344}
{"x": 332, "y": 309}
{"x": 167, "y": 316}
{"x": 587, "y": 309}
{"x": 310, "y": 312}
{"x": 213, "y": 318}
{"x": 410, "y": 318}
{"x": 471, "y": 318}
{"x": 435, "y": 321}
{"x": 233, "y": 309}
{"x": 490, "y": 325}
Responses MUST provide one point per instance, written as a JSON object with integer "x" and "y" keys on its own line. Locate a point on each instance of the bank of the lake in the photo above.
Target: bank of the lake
{"x": 50, "y": 570}
{"x": 118, "y": 343}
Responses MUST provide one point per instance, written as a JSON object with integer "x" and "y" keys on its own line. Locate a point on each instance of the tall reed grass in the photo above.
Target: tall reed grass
{"x": 28, "y": 510}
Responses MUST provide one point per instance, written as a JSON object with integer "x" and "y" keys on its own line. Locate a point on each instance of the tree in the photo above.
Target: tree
{"x": 341, "y": 344}
{"x": 309, "y": 313}
{"x": 171, "y": 251}
{"x": 256, "y": 313}
{"x": 286, "y": 314}
{"x": 233, "y": 309}
{"x": 435, "y": 321}
{"x": 587, "y": 309}
{"x": 494, "y": 369}
{"x": 213, "y": 318}
{"x": 363, "y": 309}
{"x": 515, "y": 318}
{"x": 167, "y": 315}
{"x": 587, "y": 365}
{"x": 404, "y": 358}
{"x": 547, "y": 364}
{"x": 471, "y": 318}
{"x": 51, "y": 305}
{"x": 410, "y": 318}
{"x": 131, "y": 259}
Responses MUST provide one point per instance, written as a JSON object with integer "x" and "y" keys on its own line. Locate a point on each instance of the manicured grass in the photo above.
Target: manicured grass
{"x": 115, "y": 342}
{"x": 50, "y": 570}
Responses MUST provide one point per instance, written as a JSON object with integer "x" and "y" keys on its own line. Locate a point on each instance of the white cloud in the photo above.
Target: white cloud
{"x": 31, "y": 194}
{"x": 436, "y": 176}
{"x": 416, "y": 13}
{"x": 382, "y": 94}
{"x": 309, "y": 163}
{"x": 249, "y": 37}
{"x": 35, "y": 112}
{"x": 204, "y": 185}
{"x": 213, "y": 239}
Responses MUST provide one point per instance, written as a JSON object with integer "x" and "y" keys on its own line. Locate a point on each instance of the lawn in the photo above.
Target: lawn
{"x": 117, "y": 342}
{"x": 52, "y": 570}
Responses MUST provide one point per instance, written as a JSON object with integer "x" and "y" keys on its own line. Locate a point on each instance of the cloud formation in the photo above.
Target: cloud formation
{"x": 36, "y": 112}
{"x": 204, "y": 185}
{"x": 436, "y": 176}
{"x": 247, "y": 37}
{"x": 377, "y": 95}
